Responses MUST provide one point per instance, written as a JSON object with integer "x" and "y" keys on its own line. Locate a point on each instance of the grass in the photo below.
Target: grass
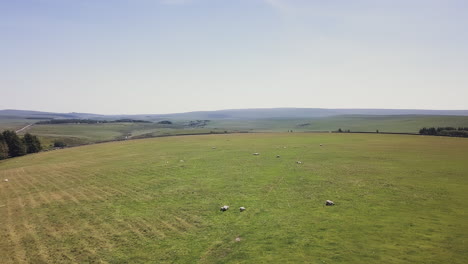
{"x": 80, "y": 134}
{"x": 399, "y": 124}
{"x": 14, "y": 123}
{"x": 399, "y": 199}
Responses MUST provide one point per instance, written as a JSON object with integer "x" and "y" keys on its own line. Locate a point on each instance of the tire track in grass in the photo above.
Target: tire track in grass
{"x": 144, "y": 233}
{"x": 89, "y": 195}
{"x": 134, "y": 227}
{"x": 31, "y": 230}
{"x": 111, "y": 230}
{"x": 36, "y": 185}
{"x": 138, "y": 189}
{"x": 79, "y": 188}
{"x": 145, "y": 225}
{"x": 107, "y": 189}
{"x": 19, "y": 253}
{"x": 120, "y": 225}
{"x": 14, "y": 253}
{"x": 116, "y": 185}
{"x": 15, "y": 232}
{"x": 100, "y": 223}
{"x": 31, "y": 225}
{"x": 72, "y": 231}
{"x": 95, "y": 230}
{"x": 177, "y": 224}
{"x": 43, "y": 199}
{"x": 130, "y": 191}
{"x": 111, "y": 191}
{"x": 191, "y": 218}
{"x": 183, "y": 222}
{"x": 62, "y": 198}
{"x": 52, "y": 232}
{"x": 51, "y": 229}
{"x": 32, "y": 201}
{"x": 64, "y": 194}
{"x": 17, "y": 181}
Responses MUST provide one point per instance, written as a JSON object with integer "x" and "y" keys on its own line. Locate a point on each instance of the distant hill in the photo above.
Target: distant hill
{"x": 287, "y": 113}
{"x": 258, "y": 113}
{"x": 12, "y": 113}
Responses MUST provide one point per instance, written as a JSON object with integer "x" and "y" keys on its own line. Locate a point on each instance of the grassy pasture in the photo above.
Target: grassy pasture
{"x": 79, "y": 134}
{"x": 14, "y": 123}
{"x": 399, "y": 199}
{"x": 399, "y": 124}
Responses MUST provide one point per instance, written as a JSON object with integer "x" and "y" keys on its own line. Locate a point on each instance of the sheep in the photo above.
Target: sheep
{"x": 321, "y": 145}
{"x": 299, "y": 162}
{"x": 5, "y": 180}
{"x": 242, "y": 209}
{"x": 224, "y": 208}
{"x": 329, "y": 203}
{"x": 256, "y": 154}
{"x": 213, "y": 147}
{"x": 277, "y": 156}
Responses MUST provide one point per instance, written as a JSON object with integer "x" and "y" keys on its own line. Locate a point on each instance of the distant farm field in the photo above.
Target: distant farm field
{"x": 399, "y": 199}
{"x": 80, "y": 134}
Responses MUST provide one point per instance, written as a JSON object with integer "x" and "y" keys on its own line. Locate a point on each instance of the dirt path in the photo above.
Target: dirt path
{"x": 21, "y": 129}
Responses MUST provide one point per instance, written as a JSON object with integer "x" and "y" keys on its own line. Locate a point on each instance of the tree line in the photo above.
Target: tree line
{"x": 445, "y": 131}
{"x": 11, "y": 145}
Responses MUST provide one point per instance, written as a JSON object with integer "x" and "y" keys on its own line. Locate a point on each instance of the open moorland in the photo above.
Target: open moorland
{"x": 72, "y": 134}
{"x": 399, "y": 199}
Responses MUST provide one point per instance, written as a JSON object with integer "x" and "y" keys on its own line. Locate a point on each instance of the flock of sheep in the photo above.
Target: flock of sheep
{"x": 226, "y": 207}
{"x": 241, "y": 209}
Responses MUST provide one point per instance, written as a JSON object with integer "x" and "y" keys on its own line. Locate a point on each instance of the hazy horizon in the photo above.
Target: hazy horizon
{"x": 174, "y": 56}
{"x": 243, "y": 109}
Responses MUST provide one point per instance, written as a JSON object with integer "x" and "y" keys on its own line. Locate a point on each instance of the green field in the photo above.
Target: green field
{"x": 14, "y": 123}
{"x": 399, "y": 199}
{"x": 394, "y": 124}
{"x": 79, "y": 134}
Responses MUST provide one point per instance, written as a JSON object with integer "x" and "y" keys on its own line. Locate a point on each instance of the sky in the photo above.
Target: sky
{"x": 169, "y": 56}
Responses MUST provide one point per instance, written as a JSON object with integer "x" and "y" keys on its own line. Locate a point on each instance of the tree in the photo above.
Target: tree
{"x": 339, "y": 130}
{"x": 14, "y": 143}
{"x": 31, "y": 143}
{"x": 377, "y": 131}
{"x": 3, "y": 148}
{"x": 59, "y": 144}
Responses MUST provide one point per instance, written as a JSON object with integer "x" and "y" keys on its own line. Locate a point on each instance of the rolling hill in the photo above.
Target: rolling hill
{"x": 399, "y": 199}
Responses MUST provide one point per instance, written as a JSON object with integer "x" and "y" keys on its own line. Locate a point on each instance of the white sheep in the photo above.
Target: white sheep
{"x": 224, "y": 208}
{"x": 242, "y": 209}
{"x": 5, "y": 180}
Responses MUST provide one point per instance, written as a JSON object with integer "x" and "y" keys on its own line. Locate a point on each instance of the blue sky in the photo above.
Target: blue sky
{"x": 163, "y": 56}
